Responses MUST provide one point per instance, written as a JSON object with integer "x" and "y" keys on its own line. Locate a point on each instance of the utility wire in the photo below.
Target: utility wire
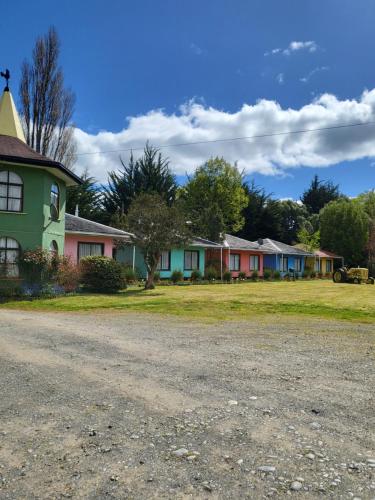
{"x": 260, "y": 136}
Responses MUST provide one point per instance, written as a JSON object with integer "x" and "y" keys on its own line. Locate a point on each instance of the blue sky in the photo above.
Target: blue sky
{"x": 188, "y": 71}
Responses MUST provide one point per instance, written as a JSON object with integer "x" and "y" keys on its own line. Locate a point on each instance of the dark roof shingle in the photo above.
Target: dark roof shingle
{"x": 74, "y": 224}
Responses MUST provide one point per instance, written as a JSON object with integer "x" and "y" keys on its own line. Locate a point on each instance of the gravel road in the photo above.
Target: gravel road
{"x": 120, "y": 405}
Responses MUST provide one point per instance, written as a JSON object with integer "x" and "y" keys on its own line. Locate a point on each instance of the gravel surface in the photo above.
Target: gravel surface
{"x": 135, "y": 406}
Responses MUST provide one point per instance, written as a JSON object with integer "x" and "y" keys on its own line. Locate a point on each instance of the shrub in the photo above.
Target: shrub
{"x": 102, "y": 274}
{"x": 176, "y": 276}
{"x": 37, "y": 267}
{"x": 254, "y": 275}
{"x": 67, "y": 275}
{"x": 211, "y": 273}
{"x": 157, "y": 276}
{"x": 217, "y": 265}
{"x": 306, "y": 273}
{"x": 320, "y": 275}
{"x": 227, "y": 276}
{"x": 196, "y": 275}
{"x": 287, "y": 277}
{"x": 276, "y": 275}
{"x": 267, "y": 274}
{"x": 10, "y": 288}
{"x": 242, "y": 276}
{"x": 313, "y": 274}
{"x": 129, "y": 274}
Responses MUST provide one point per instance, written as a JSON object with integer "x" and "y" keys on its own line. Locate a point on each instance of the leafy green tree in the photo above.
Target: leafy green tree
{"x": 319, "y": 194}
{"x": 367, "y": 201}
{"x": 149, "y": 174}
{"x": 344, "y": 230}
{"x": 87, "y": 196}
{"x": 262, "y": 215}
{"x": 310, "y": 240}
{"x": 293, "y": 216}
{"x": 214, "y": 199}
{"x": 156, "y": 227}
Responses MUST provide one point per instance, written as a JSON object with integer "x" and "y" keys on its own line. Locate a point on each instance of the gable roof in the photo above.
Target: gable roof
{"x": 319, "y": 252}
{"x": 13, "y": 150}
{"x": 74, "y": 224}
{"x": 278, "y": 247}
{"x": 202, "y": 242}
{"x": 234, "y": 242}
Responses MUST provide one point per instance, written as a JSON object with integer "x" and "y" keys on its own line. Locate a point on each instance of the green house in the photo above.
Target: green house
{"x": 32, "y": 193}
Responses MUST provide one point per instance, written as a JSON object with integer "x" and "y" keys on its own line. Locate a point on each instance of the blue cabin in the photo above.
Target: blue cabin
{"x": 282, "y": 257}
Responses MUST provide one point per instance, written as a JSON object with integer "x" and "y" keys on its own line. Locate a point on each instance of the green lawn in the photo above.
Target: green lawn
{"x": 224, "y": 302}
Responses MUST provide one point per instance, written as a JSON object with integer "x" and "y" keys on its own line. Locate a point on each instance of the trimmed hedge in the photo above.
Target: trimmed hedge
{"x": 102, "y": 274}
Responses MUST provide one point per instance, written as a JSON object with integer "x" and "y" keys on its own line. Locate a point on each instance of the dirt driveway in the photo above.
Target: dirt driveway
{"x": 131, "y": 406}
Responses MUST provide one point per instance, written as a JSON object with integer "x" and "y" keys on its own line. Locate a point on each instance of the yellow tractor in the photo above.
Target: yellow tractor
{"x": 352, "y": 275}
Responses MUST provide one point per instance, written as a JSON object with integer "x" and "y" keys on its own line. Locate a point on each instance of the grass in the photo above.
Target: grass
{"x": 243, "y": 301}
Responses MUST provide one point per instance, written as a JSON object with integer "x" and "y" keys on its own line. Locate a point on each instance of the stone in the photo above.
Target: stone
{"x": 315, "y": 426}
{"x": 232, "y": 402}
{"x": 310, "y": 456}
{"x": 181, "y": 452}
{"x": 296, "y": 486}
{"x": 253, "y": 398}
{"x": 269, "y": 469}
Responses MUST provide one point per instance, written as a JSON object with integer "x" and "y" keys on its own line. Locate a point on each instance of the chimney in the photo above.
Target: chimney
{"x": 260, "y": 241}
{"x": 76, "y": 211}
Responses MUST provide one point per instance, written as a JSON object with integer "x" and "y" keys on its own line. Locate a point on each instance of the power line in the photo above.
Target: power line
{"x": 260, "y": 136}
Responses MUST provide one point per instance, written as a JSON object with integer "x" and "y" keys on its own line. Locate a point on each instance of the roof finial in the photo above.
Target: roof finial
{"x": 6, "y": 75}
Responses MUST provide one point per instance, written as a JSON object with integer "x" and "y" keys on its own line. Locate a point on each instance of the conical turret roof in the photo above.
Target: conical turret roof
{"x": 10, "y": 123}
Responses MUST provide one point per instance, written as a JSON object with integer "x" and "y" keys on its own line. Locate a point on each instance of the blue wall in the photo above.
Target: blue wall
{"x": 274, "y": 262}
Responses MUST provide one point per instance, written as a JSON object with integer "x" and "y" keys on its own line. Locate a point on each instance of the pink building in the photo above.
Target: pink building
{"x": 238, "y": 255}
{"x": 84, "y": 237}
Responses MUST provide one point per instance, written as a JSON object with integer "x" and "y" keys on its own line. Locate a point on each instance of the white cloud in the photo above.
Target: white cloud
{"x": 276, "y": 155}
{"x": 294, "y": 46}
{"x": 280, "y": 78}
{"x": 307, "y": 77}
{"x": 197, "y": 50}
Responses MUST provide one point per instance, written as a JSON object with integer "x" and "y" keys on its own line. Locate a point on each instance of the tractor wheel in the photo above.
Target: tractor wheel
{"x": 339, "y": 276}
{"x": 371, "y": 281}
{"x": 357, "y": 281}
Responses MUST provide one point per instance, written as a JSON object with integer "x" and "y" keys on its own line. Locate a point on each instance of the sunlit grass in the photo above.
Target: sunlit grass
{"x": 227, "y": 302}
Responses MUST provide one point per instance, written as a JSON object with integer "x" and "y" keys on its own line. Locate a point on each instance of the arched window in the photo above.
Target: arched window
{"x": 11, "y": 192}
{"x": 55, "y": 201}
{"x": 9, "y": 254}
{"x": 53, "y": 248}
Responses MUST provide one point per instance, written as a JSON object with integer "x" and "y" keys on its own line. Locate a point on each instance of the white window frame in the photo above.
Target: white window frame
{"x": 254, "y": 262}
{"x": 234, "y": 262}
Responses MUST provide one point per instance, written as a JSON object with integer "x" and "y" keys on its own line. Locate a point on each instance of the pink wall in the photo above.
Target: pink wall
{"x": 244, "y": 260}
{"x": 71, "y": 244}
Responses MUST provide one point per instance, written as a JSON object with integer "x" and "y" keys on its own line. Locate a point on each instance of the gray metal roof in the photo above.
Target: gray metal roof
{"x": 201, "y": 242}
{"x": 273, "y": 246}
{"x": 74, "y": 224}
{"x": 236, "y": 243}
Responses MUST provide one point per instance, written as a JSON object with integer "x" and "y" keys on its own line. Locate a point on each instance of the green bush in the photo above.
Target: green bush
{"x": 313, "y": 274}
{"x": 37, "y": 267}
{"x": 102, "y": 274}
{"x": 306, "y": 274}
{"x": 217, "y": 265}
{"x": 211, "y": 273}
{"x": 227, "y": 277}
{"x": 129, "y": 274}
{"x": 276, "y": 275}
{"x": 254, "y": 275}
{"x": 10, "y": 288}
{"x": 267, "y": 274}
{"x": 242, "y": 276}
{"x": 196, "y": 275}
{"x": 177, "y": 276}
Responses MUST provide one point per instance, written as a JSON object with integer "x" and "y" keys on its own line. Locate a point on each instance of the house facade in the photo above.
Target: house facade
{"x": 322, "y": 261}
{"x": 188, "y": 259}
{"x": 283, "y": 258}
{"x": 84, "y": 237}
{"x": 32, "y": 193}
{"x": 238, "y": 255}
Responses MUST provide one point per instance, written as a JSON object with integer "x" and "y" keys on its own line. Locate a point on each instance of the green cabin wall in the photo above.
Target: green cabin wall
{"x": 125, "y": 256}
{"x": 33, "y": 227}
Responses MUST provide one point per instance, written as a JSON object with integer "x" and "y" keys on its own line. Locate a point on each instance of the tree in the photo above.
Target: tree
{"x": 310, "y": 240}
{"x": 262, "y": 215}
{"x": 214, "y": 199}
{"x": 149, "y": 174}
{"x": 46, "y": 105}
{"x": 319, "y": 194}
{"x": 156, "y": 227}
{"x": 367, "y": 202}
{"x": 293, "y": 216}
{"x": 344, "y": 230}
{"x": 86, "y": 196}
